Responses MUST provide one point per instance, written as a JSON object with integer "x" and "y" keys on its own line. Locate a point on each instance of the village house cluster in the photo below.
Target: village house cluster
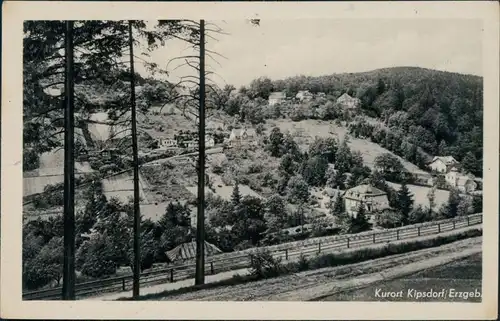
{"x": 345, "y": 99}
{"x": 450, "y": 168}
{"x": 237, "y": 138}
{"x": 184, "y": 141}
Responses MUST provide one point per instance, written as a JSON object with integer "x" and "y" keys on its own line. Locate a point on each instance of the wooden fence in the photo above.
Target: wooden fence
{"x": 241, "y": 259}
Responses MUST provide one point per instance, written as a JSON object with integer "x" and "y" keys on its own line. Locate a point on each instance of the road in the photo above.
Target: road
{"x": 461, "y": 275}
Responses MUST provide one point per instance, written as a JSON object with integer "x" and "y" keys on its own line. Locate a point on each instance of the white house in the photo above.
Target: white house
{"x": 168, "y": 142}
{"x": 276, "y": 98}
{"x": 348, "y": 102}
{"x": 304, "y": 95}
{"x": 242, "y": 136}
{"x": 372, "y": 198}
{"x": 464, "y": 183}
{"x": 443, "y": 164}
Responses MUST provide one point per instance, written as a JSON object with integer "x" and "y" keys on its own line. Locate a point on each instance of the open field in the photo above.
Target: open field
{"x": 462, "y": 275}
{"x": 420, "y": 194}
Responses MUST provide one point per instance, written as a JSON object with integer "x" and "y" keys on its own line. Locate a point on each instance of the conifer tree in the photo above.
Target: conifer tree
{"x": 405, "y": 203}
{"x": 236, "y": 196}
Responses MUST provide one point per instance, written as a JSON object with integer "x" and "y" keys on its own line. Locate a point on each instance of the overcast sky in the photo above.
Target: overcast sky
{"x": 283, "y": 48}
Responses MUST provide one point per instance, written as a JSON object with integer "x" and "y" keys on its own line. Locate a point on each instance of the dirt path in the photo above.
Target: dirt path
{"x": 314, "y": 284}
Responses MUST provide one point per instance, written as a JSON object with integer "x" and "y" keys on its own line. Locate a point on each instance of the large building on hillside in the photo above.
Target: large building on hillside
{"x": 276, "y": 98}
{"x": 372, "y": 199}
{"x": 443, "y": 164}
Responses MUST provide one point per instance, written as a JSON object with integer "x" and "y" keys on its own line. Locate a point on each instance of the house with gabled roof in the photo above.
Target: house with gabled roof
{"x": 348, "y": 102}
{"x": 443, "y": 164}
{"x": 242, "y": 136}
{"x": 373, "y": 199}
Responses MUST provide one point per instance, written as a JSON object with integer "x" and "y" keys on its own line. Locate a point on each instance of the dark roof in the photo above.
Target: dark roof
{"x": 187, "y": 251}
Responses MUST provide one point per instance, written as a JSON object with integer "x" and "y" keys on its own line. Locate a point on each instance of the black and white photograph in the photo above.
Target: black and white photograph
{"x": 254, "y": 159}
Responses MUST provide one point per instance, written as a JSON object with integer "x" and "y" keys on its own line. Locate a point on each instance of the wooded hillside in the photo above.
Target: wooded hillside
{"x": 441, "y": 113}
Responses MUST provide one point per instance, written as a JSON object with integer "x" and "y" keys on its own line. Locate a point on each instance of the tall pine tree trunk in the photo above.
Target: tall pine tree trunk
{"x": 137, "y": 214}
{"x": 69, "y": 169}
{"x": 200, "y": 223}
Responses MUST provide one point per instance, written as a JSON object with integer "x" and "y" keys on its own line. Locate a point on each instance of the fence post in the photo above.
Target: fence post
{"x": 347, "y": 242}
{"x": 123, "y": 284}
{"x": 171, "y": 275}
{"x": 418, "y": 230}
{"x": 374, "y": 238}
{"x": 319, "y": 247}
{"x": 439, "y": 228}
{"x": 468, "y": 221}
{"x": 286, "y": 254}
{"x": 480, "y": 219}
{"x": 397, "y": 235}
{"x": 212, "y": 267}
{"x": 453, "y": 224}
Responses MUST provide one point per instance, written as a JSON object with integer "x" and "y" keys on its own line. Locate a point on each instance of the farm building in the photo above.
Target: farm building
{"x": 372, "y": 198}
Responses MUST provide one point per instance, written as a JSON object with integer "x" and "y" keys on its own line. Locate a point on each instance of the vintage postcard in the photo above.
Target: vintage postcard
{"x": 304, "y": 160}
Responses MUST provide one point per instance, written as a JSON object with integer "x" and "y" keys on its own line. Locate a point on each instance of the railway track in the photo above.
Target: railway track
{"x": 287, "y": 252}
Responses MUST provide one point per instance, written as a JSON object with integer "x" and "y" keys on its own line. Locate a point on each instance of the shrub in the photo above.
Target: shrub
{"x": 303, "y": 264}
{"x": 217, "y": 169}
{"x": 264, "y": 265}
{"x": 388, "y": 219}
{"x": 343, "y": 258}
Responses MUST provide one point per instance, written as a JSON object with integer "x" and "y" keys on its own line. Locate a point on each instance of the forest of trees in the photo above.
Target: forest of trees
{"x": 422, "y": 112}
